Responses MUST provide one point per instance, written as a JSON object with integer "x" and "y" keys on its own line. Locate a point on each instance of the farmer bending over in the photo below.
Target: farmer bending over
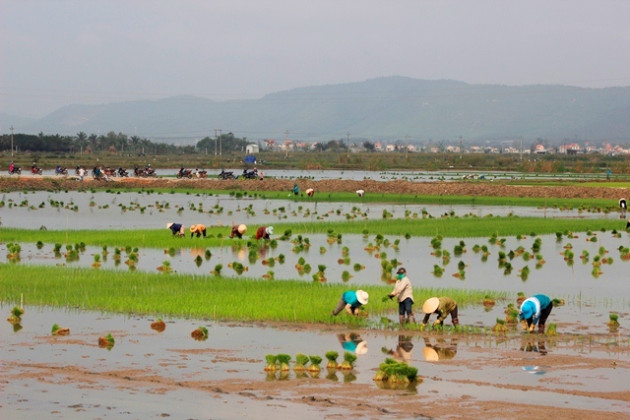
{"x": 535, "y": 310}
{"x": 351, "y": 301}
{"x": 238, "y": 231}
{"x": 198, "y": 230}
{"x": 263, "y": 232}
{"x": 442, "y": 306}
{"x": 177, "y": 229}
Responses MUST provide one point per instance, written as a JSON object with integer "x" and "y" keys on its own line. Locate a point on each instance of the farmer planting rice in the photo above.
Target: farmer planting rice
{"x": 404, "y": 292}
{"x": 177, "y": 229}
{"x": 263, "y": 232}
{"x": 310, "y": 192}
{"x": 442, "y": 306}
{"x": 360, "y": 193}
{"x": 351, "y": 301}
{"x": 535, "y": 310}
{"x": 622, "y": 204}
{"x": 198, "y": 230}
{"x": 238, "y": 231}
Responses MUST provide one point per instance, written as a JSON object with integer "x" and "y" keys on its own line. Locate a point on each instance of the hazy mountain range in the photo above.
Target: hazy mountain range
{"x": 388, "y": 108}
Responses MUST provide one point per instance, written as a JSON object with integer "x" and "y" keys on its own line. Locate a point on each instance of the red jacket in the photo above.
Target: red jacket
{"x": 261, "y": 233}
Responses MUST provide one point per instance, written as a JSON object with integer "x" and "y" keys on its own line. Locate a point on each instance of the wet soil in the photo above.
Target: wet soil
{"x": 465, "y": 188}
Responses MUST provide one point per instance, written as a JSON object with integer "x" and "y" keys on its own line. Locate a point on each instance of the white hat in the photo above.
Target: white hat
{"x": 269, "y": 230}
{"x": 362, "y": 297}
{"x": 430, "y": 355}
{"x": 242, "y": 229}
{"x": 430, "y": 305}
{"x": 360, "y": 193}
{"x": 168, "y": 225}
{"x": 361, "y": 347}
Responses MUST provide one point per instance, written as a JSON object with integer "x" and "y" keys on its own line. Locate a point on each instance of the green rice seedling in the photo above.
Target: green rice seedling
{"x": 106, "y": 341}
{"x": 500, "y": 326}
{"x": 358, "y": 267}
{"x": 171, "y": 251}
{"x": 284, "y": 360}
{"x": 281, "y": 258}
{"x": 551, "y": 329}
{"x": 558, "y": 236}
{"x": 602, "y": 251}
{"x": 520, "y": 297}
{"x": 461, "y": 265}
{"x": 165, "y": 267}
{"x": 524, "y": 273}
{"x": 39, "y": 245}
{"x": 301, "y": 360}
{"x": 322, "y": 250}
{"x": 331, "y": 356}
{"x": 437, "y": 271}
{"x": 446, "y": 257}
{"x": 200, "y": 333}
{"x": 507, "y": 269}
{"x": 502, "y": 259}
{"x": 198, "y": 260}
{"x": 217, "y": 270}
{"x": 345, "y": 276}
{"x": 269, "y": 275}
{"x": 272, "y": 363}
{"x": 511, "y": 314}
{"x": 97, "y": 261}
{"x": 307, "y": 268}
{"x": 596, "y": 272}
{"x": 348, "y": 361}
{"x": 315, "y": 364}
{"x": 57, "y": 330}
{"x": 396, "y": 373}
{"x": 613, "y": 319}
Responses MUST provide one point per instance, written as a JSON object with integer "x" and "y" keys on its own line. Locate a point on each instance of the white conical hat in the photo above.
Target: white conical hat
{"x": 168, "y": 225}
{"x": 242, "y": 229}
{"x": 430, "y": 305}
{"x": 362, "y": 297}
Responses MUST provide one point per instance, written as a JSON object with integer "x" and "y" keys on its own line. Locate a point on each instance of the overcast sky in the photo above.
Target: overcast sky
{"x": 59, "y": 52}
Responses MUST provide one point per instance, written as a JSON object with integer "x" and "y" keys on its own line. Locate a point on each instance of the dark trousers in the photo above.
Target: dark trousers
{"x": 544, "y": 314}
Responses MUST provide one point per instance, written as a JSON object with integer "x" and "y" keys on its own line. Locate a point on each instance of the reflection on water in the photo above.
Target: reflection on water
{"x": 439, "y": 349}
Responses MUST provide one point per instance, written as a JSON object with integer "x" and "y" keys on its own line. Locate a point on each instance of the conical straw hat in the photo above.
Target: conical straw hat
{"x": 430, "y": 305}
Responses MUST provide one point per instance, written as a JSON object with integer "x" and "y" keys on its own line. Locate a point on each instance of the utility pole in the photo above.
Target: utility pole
{"x": 220, "y": 143}
{"x": 11, "y": 141}
{"x": 216, "y": 140}
{"x": 406, "y": 146}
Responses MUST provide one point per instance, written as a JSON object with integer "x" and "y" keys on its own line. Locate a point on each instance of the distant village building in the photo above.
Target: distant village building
{"x": 540, "y": 149}
{"x": 569, "y": 149}
{"x": 270, "y": 144}
{"x": 251, "y": 149}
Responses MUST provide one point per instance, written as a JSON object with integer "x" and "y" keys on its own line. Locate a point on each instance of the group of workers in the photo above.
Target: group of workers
{"x": 237, "y": 231}
{"x": 533, "y": 311}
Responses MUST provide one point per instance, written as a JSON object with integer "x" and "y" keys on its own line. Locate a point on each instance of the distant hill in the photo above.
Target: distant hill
{"x": 388, "y": 108}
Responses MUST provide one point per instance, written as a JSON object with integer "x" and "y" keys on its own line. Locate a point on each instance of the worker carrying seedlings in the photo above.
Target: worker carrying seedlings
{"x": 351, "y": 301}
{"x": 177, "y": 229}
{"x": 263, "y": 232}
{"x": 442, "y": 306}
{"x": 198, "y": 230}
{"x": 404, "y": 292}
{"x": 238, "y": 231}
{"x": 535, "y": 310}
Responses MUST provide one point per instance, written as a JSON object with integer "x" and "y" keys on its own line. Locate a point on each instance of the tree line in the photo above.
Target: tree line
{"x": 118, "y": 143}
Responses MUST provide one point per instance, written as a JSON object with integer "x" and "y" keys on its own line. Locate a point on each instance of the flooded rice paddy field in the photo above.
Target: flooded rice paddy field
{"x": 169, "y": 374}
{"x": 581, "y": 373}
{"x": 356, "y": 260}
{"x": 122, "y": 210}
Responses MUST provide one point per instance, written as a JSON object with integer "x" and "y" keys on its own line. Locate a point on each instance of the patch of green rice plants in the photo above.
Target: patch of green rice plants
{"x": 284, "y": 360}
{"x": 315, "y": 363}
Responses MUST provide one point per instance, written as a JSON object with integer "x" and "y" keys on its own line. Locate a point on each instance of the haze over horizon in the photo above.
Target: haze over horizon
{"x": 72, "y": 52}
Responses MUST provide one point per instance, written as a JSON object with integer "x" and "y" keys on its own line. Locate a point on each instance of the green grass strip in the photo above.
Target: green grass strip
{"x": 198, "y": 297}
{"x": 449, "y": 227}
{"x": 351, "y": 197}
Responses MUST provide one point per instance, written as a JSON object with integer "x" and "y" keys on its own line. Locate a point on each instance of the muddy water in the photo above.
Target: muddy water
{"x": 102, "y": 210}
{"x": 148, "y": 374}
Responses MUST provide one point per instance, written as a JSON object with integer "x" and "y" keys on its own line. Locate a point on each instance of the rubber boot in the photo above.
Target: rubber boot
{"x": 401, "y": 318}
{"x": 541, "y": 328}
